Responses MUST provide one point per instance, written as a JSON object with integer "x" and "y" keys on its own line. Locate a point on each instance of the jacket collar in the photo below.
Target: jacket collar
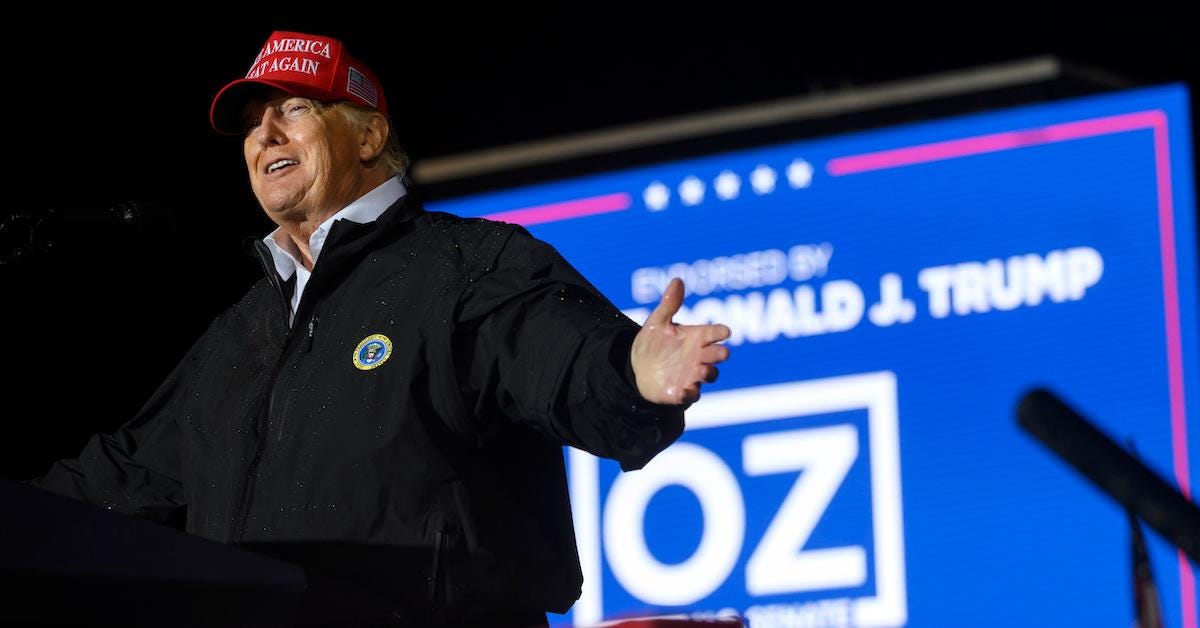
{"x": 346, "y": 244}
{"x": 366, "y": 208}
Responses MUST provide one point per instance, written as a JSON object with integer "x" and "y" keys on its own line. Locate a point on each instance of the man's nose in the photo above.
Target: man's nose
{"x": 269, "y": 131}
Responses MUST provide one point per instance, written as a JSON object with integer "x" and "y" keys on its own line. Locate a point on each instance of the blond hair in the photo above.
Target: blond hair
{"x": 393, "y": 156}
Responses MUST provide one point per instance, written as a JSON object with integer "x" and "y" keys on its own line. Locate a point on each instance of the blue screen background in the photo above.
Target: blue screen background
{"x": 997, "y": 531}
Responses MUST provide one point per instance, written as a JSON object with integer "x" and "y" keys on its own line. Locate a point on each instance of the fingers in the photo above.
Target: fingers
{"x": 672, "y": 299}
{"x": 689, "y": 394}
{"x": 715, "y": 333}
{"x": 708, "y": 334}
{"x": 714, "y": 353}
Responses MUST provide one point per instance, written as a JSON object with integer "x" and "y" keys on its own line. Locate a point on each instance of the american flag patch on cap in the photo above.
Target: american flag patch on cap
{"x": 361, "y": 86}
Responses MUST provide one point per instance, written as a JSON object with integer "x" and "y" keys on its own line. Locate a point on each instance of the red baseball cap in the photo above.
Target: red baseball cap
{"x": 311, "y": 66}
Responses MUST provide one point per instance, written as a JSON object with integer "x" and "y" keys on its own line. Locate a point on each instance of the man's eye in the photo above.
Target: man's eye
{"x": 252, "y": 124}
{"x": 296, "y": 108}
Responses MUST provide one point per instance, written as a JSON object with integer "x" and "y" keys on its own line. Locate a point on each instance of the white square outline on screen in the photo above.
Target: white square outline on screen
{"x": 875, "y": 392}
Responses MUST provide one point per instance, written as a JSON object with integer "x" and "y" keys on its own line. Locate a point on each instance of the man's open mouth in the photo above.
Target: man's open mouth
{"x": 281, "y": 164}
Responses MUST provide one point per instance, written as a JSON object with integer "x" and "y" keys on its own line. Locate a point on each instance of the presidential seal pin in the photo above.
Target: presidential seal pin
{"x": 372, "y": 352}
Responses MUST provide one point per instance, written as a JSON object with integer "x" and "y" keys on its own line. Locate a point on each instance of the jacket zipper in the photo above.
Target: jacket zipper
{"x": 441, "y": 587}
{"x": 243, "y": 504}
{"x": 312, "y": 331}
{"x": 242, "y": 512}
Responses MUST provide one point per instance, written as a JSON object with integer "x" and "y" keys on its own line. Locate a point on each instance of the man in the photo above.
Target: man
{"x": 387, "y": 406}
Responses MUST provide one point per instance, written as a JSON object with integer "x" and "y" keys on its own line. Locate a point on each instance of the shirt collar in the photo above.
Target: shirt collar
{"x": 367, "y": 208}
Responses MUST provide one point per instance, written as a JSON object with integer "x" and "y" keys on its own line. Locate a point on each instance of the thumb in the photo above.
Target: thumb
{"x": 672, "y": 299}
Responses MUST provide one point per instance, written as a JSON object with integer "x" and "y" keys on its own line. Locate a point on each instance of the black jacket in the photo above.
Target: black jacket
{"x": 435, "y": 479}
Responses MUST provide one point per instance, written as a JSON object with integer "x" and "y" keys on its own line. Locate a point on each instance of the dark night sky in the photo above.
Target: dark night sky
{"x": 101, "y": 115}
{"x": 134, "y": 100}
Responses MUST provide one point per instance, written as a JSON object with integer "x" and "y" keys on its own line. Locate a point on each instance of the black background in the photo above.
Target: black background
{"x": 113, "y": 108}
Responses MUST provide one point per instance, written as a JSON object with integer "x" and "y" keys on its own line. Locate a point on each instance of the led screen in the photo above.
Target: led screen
{"x": 892, "y": 294}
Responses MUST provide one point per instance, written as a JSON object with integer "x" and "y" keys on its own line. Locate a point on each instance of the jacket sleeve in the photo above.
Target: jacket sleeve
{"x": 136, "y": 468}
{"x": 535, "y": 343}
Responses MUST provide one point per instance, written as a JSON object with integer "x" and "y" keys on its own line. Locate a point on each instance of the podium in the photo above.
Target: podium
{"x": 64, "y": 562}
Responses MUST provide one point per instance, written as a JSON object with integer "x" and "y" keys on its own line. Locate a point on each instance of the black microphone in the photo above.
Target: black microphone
{"x": 1120, "y": 474}
{"x": 29, "y": 235}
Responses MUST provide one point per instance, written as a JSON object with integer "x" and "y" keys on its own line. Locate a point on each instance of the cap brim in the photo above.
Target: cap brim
{"x": 226, "y": 111}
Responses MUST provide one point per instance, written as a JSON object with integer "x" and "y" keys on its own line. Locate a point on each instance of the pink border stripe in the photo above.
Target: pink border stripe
{"x": 939, "y": 151}
{"x": 1166, "y": 234}
{"x": 1155, "y": 120}
{"x": 565, "y": 210}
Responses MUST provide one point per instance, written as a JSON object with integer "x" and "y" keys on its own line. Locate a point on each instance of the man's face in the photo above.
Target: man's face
{"x": 322, "y": 172}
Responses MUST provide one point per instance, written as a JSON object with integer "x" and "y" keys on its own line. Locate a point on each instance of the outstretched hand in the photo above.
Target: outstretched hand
{"x": 671, "y": 361}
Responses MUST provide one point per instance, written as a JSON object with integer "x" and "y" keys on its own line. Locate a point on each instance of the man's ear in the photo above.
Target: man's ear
{"x": 374, "y": 137}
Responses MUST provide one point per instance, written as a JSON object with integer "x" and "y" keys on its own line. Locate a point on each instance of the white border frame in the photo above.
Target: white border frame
{"x": 876, "y": 392}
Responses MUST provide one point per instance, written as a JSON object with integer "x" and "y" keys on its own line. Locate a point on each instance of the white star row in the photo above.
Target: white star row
{"x": 727, "y": 185}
